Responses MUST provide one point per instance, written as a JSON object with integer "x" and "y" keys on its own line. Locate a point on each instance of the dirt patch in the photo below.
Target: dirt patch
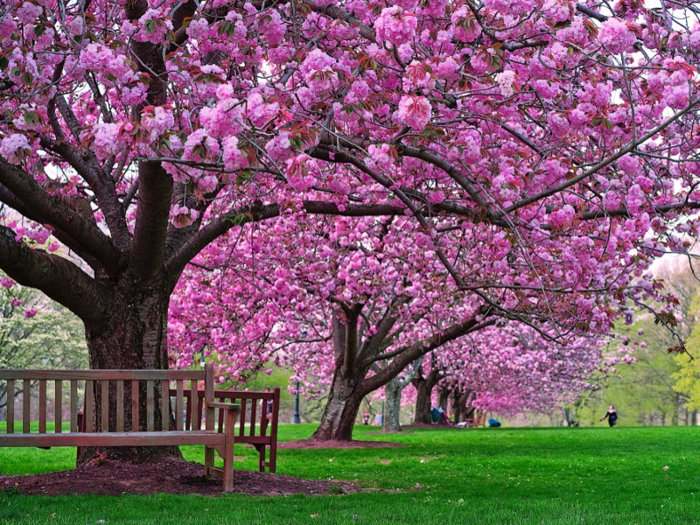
{"x": 314, "y": 443}
{"x": 114, "y": 478}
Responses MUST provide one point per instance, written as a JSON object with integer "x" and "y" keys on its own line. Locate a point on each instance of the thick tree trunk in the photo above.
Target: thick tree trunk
{"x": 424, "y": 389}
{"x": 443, "y": 396}
{"x": 133, "y": 337}
{"x": 460, "y": 405}
{"x": 339, "y": 416}
{"x": 392, "y": 406}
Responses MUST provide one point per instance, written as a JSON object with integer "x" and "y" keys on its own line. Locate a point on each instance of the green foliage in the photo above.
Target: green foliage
{"x": 54, "y": 338}
{"x": 483, "y": 476}
{"x": 657, "y": 388}
{"x": 688, "y": 373}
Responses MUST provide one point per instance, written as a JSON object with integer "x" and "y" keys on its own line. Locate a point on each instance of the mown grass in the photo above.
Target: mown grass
{"x": 483, "y": 476}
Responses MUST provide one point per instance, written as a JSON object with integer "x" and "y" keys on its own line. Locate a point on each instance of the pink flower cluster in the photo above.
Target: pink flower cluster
{"x": 414, "y": 111}
{"x": 15, "y": 148}
{"x": 395, "y": 26}
{"x": 616, "y": 35}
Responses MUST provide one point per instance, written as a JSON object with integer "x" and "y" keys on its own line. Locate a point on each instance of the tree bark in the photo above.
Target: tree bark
{"x": 424, "y": 388}
{"x": 133, "y": 335}
{"x": 341, "y": 411}
{"x": 392, "y": 406}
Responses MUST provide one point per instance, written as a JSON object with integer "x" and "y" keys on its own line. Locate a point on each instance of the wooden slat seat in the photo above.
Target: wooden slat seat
{"x": 93, "y": 429}
{"x": 113, "y": 439}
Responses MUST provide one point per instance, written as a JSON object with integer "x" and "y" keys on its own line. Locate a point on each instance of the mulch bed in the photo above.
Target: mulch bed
{"x": 314, "y": 443}
{"x": 114, "y": 478}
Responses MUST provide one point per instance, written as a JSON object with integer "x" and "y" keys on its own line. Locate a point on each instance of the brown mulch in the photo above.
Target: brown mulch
{"x": 315, "y": 443}
{"x": 114, "y": 478}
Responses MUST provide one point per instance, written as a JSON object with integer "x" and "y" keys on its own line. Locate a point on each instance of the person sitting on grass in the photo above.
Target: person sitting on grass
{"x": 611, "y": 415}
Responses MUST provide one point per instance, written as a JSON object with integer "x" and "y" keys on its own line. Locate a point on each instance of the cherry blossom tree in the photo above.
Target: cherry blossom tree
{"x": 541, "y": 149}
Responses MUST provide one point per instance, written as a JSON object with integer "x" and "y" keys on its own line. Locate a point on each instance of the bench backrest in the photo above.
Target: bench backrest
{"x": 254, "y": 408}
{"x": 123, "y": 385}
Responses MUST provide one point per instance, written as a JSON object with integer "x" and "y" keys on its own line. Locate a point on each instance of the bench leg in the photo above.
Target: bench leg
{"x": 261, "y": 458}
{"x": 229, "y": 428}
{"x": 208, "y": 461}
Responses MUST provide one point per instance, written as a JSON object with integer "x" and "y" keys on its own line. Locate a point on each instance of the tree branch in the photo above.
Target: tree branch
{"x": 57, "y": 277}
{"x": 152, "y": 216}
{"x": 31, "y": 195}
{"x": 406, "y": 355}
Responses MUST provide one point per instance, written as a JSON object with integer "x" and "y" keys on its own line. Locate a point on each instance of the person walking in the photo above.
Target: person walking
{"x": 611, "y": 415}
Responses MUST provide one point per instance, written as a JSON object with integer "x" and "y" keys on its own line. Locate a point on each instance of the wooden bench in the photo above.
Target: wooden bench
{"x": 268, "y": 419}
{"x": 478, "y": 421}
{"x": 143, "y": 432}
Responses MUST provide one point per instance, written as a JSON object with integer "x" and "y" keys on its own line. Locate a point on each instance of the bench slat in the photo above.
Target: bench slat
{"x": 253, "y": 413}
{"x": 179, "y": 406}
{"x": 105, "y": 405}
{"x": 149, "y": 406}
{"x": 58, "y": 406}
{"x": 97, "y": 375}
{"x": 120, "y": 406}
{"x": 10, "y": 406}
{"x": 74, "y": 405}
{"x": 194, "y": 413}
{"x": 134, "y": 406}
{"x": 89, "y": 407}
{"x": 113, "y": 439}
{"x": 42, "y": 406}
{"x": 26, "y": 406}
{"x": 165, "y": 406}
{"x": 242, "y": 429}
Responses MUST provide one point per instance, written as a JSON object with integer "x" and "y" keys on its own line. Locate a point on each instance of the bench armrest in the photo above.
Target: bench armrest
{"x": 225, "y": 406}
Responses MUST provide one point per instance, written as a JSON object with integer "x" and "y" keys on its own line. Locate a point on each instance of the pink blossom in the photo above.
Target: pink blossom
{"x": 616, "y": 35}
{"x": 104, "y": 142}
{"x": 29, "y": 313}
{"x": 505, "y": 81}
{"x": 234, "y": 158}
{"x": 158, "y": 122}
{"x": 272, "y": 28}
{"x": 75, "y": 25}
{"x": 29, "y": 12}
{"x": 465, "y": 25}
{"x": 414, "y": 111}
{"x": 182, "y": 216}
{"x": 558, "y": 124}
{"x": 395, "y": 26}
{"x": 7, "y": 282}
{"x": 197, "y": 28}
{"x": 15, "y": 148}
{"x": 154, "y": 25}
{"x": 319, "y": 71}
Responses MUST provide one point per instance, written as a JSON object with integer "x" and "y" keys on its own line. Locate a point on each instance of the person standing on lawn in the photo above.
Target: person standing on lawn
{"x": 611, "y": 415}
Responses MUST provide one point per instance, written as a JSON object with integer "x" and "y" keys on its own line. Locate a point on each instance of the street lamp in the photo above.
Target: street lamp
{"x": 296, "y": 419}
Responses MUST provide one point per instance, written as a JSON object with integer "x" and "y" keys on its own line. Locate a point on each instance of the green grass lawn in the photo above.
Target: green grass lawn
{"x": 490, "y": 476}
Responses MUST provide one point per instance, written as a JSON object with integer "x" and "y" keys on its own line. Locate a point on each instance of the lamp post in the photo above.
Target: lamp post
{"x": 296, "y": 419}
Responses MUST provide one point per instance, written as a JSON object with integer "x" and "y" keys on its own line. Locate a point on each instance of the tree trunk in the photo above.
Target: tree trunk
{"x": 133, "y": 337}
{"x": 424, "y": 389}
{"x": 341, "y": 411}
{"x": 443, "y": 396}
{"x": 392, "y": 407}
{"x": 460, "y": 405}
